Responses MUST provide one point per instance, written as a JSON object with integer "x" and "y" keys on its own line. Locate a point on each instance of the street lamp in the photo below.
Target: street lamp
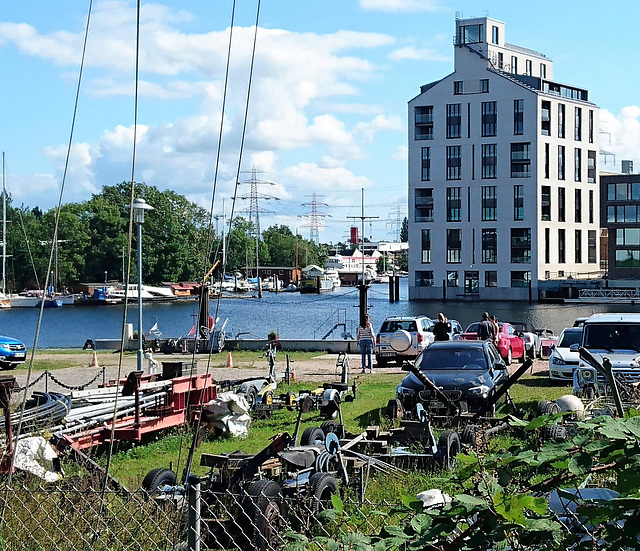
{"x": 139, "y": 206}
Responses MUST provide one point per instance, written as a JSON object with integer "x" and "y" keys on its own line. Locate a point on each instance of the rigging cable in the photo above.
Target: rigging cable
{"x": 51, "y": 253}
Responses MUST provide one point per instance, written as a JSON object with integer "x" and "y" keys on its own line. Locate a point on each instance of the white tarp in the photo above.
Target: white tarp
{"x": 229, "y": 412}
{"x": 35, "y": 455}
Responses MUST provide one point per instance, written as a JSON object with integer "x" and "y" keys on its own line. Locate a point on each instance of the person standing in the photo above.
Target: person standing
{"x": 496, "y": 329}
{"x": 442, "y": 328}
{"x": 364, "y": 338}
{"x": 486, "y": 329}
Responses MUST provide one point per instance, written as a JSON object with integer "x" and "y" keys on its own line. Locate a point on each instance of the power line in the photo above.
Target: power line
{"x": 314, "y": 223}
{"x": 254, "y": 196}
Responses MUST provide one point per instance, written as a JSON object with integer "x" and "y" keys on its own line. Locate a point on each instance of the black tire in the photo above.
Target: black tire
{"x": 469, "y": 436}
{"x": 541, "y": 407}
{"x": 312, "y": 436}
{"x": 509, "y": 357}
{"x": 522, "y": 358}
{"x": 291, "y": 400}
{"x": 157, "y": 478}
{"x": 250, "y": 394}
{"x": 263, "y": 510}
{"x": 381, "y": 362}
{"x": 332, "y": 426}
{"x": 550, "y": 408}
{"x": 6, "y": 366}
{"x": 323, "y": 486}
{"x": 448, "y": 448}
{"x": 557, "y": 433}
{"x": 394, "y": 409}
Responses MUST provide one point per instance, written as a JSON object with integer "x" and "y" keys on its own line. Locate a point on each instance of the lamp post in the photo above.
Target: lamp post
{"x": 139, "y": 206}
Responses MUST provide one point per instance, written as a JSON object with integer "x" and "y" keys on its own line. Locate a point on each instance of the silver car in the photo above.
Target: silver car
{"x": 563, "y": 361}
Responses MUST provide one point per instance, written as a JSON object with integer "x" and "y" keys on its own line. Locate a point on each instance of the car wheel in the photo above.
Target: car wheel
{"x": 7, "y": 365}
{"x": 381, "y": 362}
{"x": 312, "y": 436}
{"x": 509, "y": 358}
{"x": 401, "y": 340}
{"x": 522, "y": 358}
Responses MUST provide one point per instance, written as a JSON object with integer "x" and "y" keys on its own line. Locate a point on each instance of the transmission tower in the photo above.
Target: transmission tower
{"x": 395, "y": 220}
{"x": 314, "y": 223}
{"x": 254, "y": 196}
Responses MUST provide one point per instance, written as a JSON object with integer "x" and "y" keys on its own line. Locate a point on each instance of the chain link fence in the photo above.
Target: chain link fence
{"x": 78, "y": 514}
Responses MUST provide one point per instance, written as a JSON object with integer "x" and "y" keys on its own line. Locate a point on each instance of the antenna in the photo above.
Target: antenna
{"x": 314, "y": 224}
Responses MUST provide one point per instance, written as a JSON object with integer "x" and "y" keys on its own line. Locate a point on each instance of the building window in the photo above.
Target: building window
{"x": 591, "y": 247}
{"x": 424, "y": 205}
{"x": 591, "y": 167}
{"x": 578, "y": 124}
{"x": 470, "y": 34}
{"x": 489, "y": 160}
{"x": 561, "y": 162}
{"x": 472, "y": 282}
{"x": 590, "y": 126}
{"x": 578, "y": 246}
{"x": 489, "y": 203}
{"x": 457, "y": 88}
{"x": 561, "y": 112}
{"x": 426, "y": 246}
{"x": 561, "y": 247}
{"x": 520, "y": 279}
{"x": 452, "y": 278}
{"x": 628, "y": 236}
{"x": 426, "y": 164}
{"x": 623, "y": 214}
{"x": 545, "y": 118}
{"x": 491, "y": 278}
{"x": 514, "y": 65}
{"x": 578, "y": 206}
{"x": 623, "y": 192}
{"x": 454, "y": 245}
{"x": 484, "y": 85}
{"x": 561, "y": 205}
{"x": 545, "y": 204}
{"x": 454, "y": 120}
{"x": 520, "y": 160}
{"x": 626, "y": 258}
{"x": 521, "y": 245}
{"x": 489, "y": 118}
{"x": 518, "y": 202}
{"x": 547, "y": 245}
{"x": 490, "y": 246}
{"x": 543, "y": 70}
{"x": 454, "y": 204}
{"x": 590, "y": 206}
{"x": 454, "y": 162}
{"x": 500, "y": 61}
{"x": 423, "y": 120}
{"x": 518, "y": 117}
{"x": 424, "y": 278}
{"x": 547, "y": 168}
{"x": 495, "y": 34}
{"x": 528, "y": 67}
{"x": 577, "y": 161}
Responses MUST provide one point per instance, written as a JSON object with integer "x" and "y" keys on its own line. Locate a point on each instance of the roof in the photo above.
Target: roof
{"x": 457, "y": 344}
{"x": 613, "y": 318}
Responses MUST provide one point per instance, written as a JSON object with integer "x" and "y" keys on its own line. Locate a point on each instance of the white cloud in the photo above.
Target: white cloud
{"x": 401, "y": 153}
{"x": 417, "y": 54}
{"x": 381, "y": 122}
{"x": 400, "y": 5}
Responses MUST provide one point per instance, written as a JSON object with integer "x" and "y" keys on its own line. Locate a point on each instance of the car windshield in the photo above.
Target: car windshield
{"x": 568, "y": 338}
{"x": 472, "y": 328}
{"x": 389, "y": 326}
{"x": 452, "y": 358}
{"x": 615, "y": 336}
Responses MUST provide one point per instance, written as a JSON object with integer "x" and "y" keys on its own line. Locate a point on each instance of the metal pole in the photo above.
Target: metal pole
{"x": 193, "y": 534}
{"x": 140, "y": 350}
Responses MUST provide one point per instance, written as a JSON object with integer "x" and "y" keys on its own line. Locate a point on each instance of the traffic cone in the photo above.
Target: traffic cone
{"x": 94, "y": 360}
{"x": 229, "y": 360}
{"x": 293, "y": 374}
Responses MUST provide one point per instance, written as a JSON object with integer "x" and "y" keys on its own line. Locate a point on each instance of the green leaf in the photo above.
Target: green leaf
{"x": 412, "y": 503}
{"x": 469, "y": 502}
{"x": 580, "y": 463}
{"x": 337, "y": 503}
{"x": 420, "y": 523}
{"x": 395, "y": 531}
{"x": 613, "y": 428}
{"x": 628, "y": 481}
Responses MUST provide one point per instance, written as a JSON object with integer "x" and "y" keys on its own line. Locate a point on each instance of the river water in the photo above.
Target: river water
{"x": 292, "y": 315}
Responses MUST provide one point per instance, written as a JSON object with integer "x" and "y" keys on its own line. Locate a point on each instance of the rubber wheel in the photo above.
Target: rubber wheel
{"x": 556, "y": 433}
{"x": 509, "y": 357}
{"x": 250, "y": 395}
{"x": 541, "y": 406}
{"x": 401, "y": 340}
{"x": 448, "y": 448}
{"x": 381, "y": 362}
{"x": 323, "y": 486}
{"x": 522, "y": 358}
{"x": 156, "y": 478}
{"x": 332, "y": 426}
{"x": 5, "y": 366}
{"x": 394, "y": 409}
{"x": 312, "y": 436}
{"x": 550, "y": 408}
{"x": 469, "y": 436}
{"x": 291, "y": 400}
{"x": 263, "y": 509}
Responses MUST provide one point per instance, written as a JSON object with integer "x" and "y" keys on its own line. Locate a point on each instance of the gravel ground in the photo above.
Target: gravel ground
{"x": 320, "y": 368}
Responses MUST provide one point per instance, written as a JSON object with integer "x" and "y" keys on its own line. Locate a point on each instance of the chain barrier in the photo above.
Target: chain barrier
{"x": 51, "y": 376}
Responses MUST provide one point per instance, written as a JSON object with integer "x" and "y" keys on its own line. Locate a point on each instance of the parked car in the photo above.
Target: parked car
{"x": 403, "y": 338}
{"x": 531, "y": 338}
{"x": 12, "y": 353}
{"x": 465, "y": 371}
{"x": 456, "y": 329}
{"x": 563, "y": 360}
{"x": 509, "y": 344}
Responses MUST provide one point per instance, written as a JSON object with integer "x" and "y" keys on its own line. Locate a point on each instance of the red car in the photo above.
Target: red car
{"x": 510, "y": 344}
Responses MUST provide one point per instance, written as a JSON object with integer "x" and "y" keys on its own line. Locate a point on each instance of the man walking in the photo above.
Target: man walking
{"x": 486, "y": 328}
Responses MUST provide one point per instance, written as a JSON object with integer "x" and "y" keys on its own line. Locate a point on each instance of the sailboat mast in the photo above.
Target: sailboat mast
{"x": 4, "y": 228}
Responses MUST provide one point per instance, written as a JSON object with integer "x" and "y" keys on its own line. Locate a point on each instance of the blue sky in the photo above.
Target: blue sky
{"x": 328, "y": 109}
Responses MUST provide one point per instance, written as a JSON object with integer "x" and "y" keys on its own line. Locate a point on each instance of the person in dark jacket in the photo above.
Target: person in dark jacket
{"x": 442, "y": 328}
{"x": 486, "y": 328}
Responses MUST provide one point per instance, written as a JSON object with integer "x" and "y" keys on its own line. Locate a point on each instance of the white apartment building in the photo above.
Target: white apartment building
{"x": 503, "y": 164}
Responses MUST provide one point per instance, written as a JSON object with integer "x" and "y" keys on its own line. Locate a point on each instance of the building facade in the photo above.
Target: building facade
{"x": 620, "y": 220}
{"x": 503, "y": 164}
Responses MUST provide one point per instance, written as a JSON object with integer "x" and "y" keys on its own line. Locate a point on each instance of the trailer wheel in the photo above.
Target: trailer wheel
{"x": 263, "y": 510}
{"x": 156, "y": 478}
{"x": 469, "y": 436}
{"x": 290, "y": 399}
{"x": 394, "y": 409}
{"x": 541, "y": 406}
{"x": 312, "y": 436}
{"x": 334, "y": 427}
{"x": 550, "y": 408}
{"x": 250, "y": 395}
{"x": 323, "y": 486}
{"x": 448, "y": 448}
{"x": 557, "y": 433}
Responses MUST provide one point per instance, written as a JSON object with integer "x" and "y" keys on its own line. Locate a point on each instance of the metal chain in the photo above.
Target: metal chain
{"x": 60, "y": 383}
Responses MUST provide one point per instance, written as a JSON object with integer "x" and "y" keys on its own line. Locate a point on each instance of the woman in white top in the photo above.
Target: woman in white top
{"x": 364, "y": 339}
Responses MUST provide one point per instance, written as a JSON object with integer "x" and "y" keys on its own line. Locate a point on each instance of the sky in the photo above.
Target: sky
{"x": 327, "y": 110}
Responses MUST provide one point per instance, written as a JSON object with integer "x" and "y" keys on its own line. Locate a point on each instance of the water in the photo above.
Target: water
{"x": 292, "y": 315}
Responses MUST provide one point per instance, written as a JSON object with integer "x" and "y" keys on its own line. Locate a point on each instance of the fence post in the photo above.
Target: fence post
{"x": 193, "y": 528}
{"x": 46, "y": 382}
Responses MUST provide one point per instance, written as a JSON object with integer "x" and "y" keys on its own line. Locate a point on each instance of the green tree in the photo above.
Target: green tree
{"x": 404, "y": 230}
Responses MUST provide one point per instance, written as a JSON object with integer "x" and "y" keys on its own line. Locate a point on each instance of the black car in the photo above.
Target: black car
{"x": 466, "y": 371}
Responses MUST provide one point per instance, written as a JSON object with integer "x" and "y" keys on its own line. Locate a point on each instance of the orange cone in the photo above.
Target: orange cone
{"x": 229, "y": 360}
{"x": 293, "y": 374}
{"x": 94, "y": 360}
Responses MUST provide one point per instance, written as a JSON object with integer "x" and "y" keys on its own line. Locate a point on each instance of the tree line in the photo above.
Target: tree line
{"x": 179, "y": 242}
